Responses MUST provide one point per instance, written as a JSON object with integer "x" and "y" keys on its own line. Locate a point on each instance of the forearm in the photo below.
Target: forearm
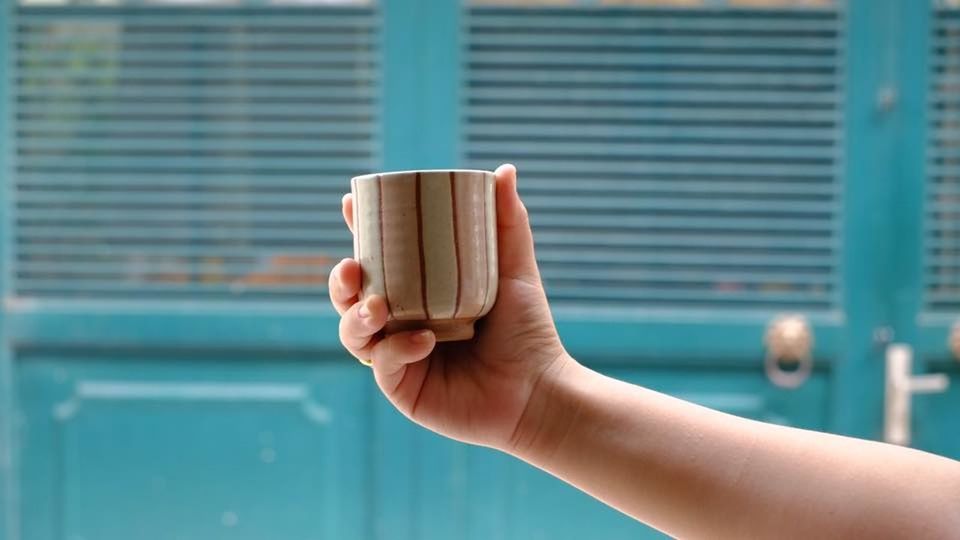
{"x": 694, "y": 472}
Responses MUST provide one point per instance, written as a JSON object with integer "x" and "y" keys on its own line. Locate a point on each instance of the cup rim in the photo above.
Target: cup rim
{"x": 391, "y": 174}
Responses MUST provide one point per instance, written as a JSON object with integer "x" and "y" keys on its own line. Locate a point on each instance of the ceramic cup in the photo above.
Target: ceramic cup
{"x": 427, "y": 242}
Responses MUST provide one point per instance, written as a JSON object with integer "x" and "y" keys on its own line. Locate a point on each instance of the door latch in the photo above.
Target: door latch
{"x": 953, "y": 341}
{"x": 900, "y": 388}
{"x": 789, "y": 341}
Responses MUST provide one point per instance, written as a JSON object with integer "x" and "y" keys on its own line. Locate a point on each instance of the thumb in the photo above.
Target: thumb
{"x": 515, "y": 240}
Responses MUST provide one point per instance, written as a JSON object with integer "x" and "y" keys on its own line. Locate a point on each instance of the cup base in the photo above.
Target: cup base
{"x": 445, "y": 330}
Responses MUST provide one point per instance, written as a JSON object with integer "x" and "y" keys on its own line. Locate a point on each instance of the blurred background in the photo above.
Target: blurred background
{"x": 745, "y": 203}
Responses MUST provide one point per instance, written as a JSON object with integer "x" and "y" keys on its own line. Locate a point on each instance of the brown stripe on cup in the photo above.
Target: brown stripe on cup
{"x": 456, "y": 245}
{"x": 472, "y": 242}
{"x": 366, "y": 236}
{"x": 439, "y": 246}
{"x": 490, "y": 224}
{"x": 400, "y": 246}
{"x": 355, "y": 224}
{"x": 420, "y": 241}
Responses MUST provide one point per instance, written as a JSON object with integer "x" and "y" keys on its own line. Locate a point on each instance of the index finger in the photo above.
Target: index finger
{"x": 344, "y": 284}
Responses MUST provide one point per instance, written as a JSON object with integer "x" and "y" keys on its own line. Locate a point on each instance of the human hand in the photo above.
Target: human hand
{"x": 474, "y": 391}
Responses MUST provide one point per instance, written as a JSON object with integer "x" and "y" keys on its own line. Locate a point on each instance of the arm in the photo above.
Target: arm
{"x": 694, "y": 472}
{"x": 684, "y": 469}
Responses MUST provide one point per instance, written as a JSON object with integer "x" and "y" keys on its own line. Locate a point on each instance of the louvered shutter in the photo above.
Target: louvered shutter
{"x": 189, "y": 152}
{"x": 670, "y": 158}
{"x": 942, "y": 269}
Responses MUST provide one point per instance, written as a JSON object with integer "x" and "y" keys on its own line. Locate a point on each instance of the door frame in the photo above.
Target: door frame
{"x": 9, "y": 508}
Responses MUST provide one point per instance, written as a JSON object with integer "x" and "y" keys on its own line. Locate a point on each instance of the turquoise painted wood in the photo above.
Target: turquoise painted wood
{"x": 168, "y": 187}
{"x": 928, "y": 289}
{"x": 9, "y": 466}
{"x": 175, "y": 445}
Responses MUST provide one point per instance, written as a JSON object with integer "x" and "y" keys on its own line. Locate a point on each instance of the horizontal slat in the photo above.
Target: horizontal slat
{"x": 946, "y": 115}
{"x": 944, "y": 279}
{"x": 593, "y": 276}
{"x": 166, "y": 232}
{"x": 192, "y": 21}
{"x": 189, "y": 289}
{"x": 949, "y": 261}
{"x": 141, "y": 93}
{"x": 510, "y": 132}
{"x": 79, "y": 36}
{"x": 222, "y": 129}
{"x": 339, "y": 72}
{"x": 765, "y": 224}
{"x": 194, "y": 172}
{"x": 554, "y": 41}
{"x": 575, "y": 113}
{"x": 947, "y": 13}
{"x": 517, "y": 22}
{"x": 137, "y": 217}
{"x": 946, "y": 63}
{"x": 584, "y": 168}
{"x": 945, "y": 225}
{"x": 948, "y": 206}
{"x": 640, "y": 96}
{"x": 949, "y": 297}
{"x": 653, "y": 78}
{"x": 947, "y": 137}
{"x": 191, "y": 145}
{"x": 619, "y": 150}
{"x": 199, "y": 198}
{"x": 80, "y": 122}
{"x": 939, "y": 171}
{"x": 633, "y": 60}
{"x": 945, "y": 154}
{"x": 132, "y": 268}
{"x": 951, "y": 243}
{"x": 703, "y": 296}
{"x": 110, "y": 58}
{"x": 679, "y": 186}
{"x": 319, "y": 109}
{"x": 605, "y": 256}
{"x": 707, "y": 205}
{"x": 211, "y": 162}
{"x": 39, "y": 248}
{"x": 714, "y": 242}
{"x": 164, "y": 180}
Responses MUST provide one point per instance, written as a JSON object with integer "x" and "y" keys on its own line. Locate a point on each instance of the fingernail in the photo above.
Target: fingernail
{"x": 423, "y": 336}
{"x": 363, "y": 312}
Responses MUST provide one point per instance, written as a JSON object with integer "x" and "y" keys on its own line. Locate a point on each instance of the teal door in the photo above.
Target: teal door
{"x": 928, "y": 277}
{"x": 170, "y": 180}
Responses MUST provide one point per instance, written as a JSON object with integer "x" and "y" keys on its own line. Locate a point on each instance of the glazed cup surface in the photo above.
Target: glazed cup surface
{"x": 427, "y": 242}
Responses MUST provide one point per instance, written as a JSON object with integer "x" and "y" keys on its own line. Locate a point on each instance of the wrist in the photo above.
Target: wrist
{"x": 552, "y": 411}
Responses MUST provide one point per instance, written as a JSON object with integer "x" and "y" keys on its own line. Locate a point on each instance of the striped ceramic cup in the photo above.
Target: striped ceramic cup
{"x": 427, "y": 243}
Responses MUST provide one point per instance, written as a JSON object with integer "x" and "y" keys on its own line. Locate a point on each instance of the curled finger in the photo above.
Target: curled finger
{"x": 360, "y": 324}
{"x": 344, "y": 285}
{"x": 393, "y": 356}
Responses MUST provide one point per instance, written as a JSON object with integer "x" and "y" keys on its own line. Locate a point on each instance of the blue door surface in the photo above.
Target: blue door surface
{"x": 170, "y": 176}
{"x": 927, "y": 281}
